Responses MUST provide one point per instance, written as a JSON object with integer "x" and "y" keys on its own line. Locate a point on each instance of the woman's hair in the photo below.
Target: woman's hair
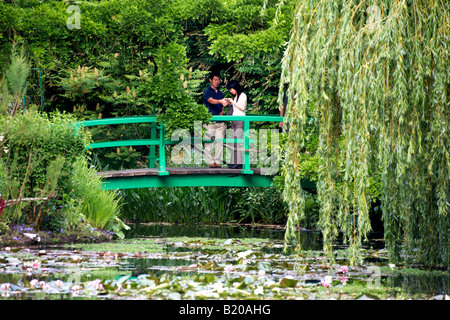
{"x": 233, "y": 84}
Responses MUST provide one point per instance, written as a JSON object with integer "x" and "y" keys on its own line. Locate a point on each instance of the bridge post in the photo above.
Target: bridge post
{"x": 246, "y": 165}
{"x": 152, "y": 153}
{"x": 162, "y": 151}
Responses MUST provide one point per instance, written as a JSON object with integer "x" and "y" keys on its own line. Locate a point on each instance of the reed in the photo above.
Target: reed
{"x": 203, "y": 205}
{"x": 100, "y": 207}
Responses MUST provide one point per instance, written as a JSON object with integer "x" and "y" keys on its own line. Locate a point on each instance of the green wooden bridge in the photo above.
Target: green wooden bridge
{"x": 159, "y": 175}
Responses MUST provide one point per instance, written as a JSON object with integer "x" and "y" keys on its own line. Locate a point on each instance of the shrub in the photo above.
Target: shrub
{"x": 37, "y": 155}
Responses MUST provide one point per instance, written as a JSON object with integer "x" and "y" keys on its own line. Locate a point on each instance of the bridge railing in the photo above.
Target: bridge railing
{"x": 158, "y": 139}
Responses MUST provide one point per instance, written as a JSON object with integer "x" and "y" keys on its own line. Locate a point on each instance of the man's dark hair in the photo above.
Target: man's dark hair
{"x": 214, "y": 74}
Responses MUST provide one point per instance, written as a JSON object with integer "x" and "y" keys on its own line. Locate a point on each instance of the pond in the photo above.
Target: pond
{"x": 177, "y": 262}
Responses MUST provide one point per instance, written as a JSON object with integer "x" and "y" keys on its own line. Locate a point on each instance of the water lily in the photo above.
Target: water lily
{"x": 76, "y": 287}
{"x": 261, "y": 273}
{"x": 218, "y": 286}
{"x": 244, "y": 254}
{"x": 344, "y": 269}
{"x": 96, "y": 284}
{"x": 392, "y": 266}
{"x": 59, "y": 283}
{"x": 259, "y": 290}
{"x": 45, "y": 286}
{"x": 36, "y": 264}
{"x": 228, "y": 268}
{"x": 33, "y": 283}
{"x": 326, "y": 282}
{"x": 269, "y": 282}
{"x": 344, "y": 281}
{"x": 75, "y": 258}
{"x": 5, "y": 286}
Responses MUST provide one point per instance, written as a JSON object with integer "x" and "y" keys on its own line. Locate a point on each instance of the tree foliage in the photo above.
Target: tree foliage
{"x": 246, "y": 40}
{"x": 242, "y": 38}
{"x": 375, "y": 75}
{"x": 135, "y": 57}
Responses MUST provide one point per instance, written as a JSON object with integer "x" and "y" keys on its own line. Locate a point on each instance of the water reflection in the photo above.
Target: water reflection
{"x": 139, "y": 230}
{"x": 428, "y": 283}
{"x": 310, "y": 240}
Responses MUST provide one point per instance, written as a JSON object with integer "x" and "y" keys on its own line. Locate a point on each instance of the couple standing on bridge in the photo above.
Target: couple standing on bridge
{"x": 215, "y": 101}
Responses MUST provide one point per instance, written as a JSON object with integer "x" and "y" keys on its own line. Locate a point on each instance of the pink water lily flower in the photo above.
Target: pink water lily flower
{"x": 326, "y": 282}
{"x": 45, "y": 286}
{"x": 34, "y": 282}
{"x": 5, "y": 286}
{"x": 344, "y": 269}
{"x": 76, "y": 287}
{"x": 59, "y": 283}
{"x": 228, "y": 268}
{"x": 96, "y": 284}
{"x": 36, "y": 264}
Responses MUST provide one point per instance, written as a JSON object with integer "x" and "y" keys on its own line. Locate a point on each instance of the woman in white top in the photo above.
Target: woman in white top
{"x": 237, "y": 106}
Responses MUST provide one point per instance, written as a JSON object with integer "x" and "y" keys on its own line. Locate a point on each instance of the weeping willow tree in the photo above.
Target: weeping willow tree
{"x": 375, "y": 76}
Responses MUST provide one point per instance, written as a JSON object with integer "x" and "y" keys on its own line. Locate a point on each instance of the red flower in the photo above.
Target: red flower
{"x": 2, "y": 206}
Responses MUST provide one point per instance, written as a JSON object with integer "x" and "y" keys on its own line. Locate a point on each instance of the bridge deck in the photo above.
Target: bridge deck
{"x": 188, "y": 176}
{"x": 174, "y": 171}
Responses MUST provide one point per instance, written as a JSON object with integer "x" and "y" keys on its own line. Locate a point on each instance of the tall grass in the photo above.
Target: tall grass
{"x": 100, "y": 207}
{"x": 203, "y": 205}
{"x": 176, "y": 204}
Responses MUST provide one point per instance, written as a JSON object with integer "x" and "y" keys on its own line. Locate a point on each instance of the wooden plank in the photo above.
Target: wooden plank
{"x": 174, "y": 171}
{"x": 128, "y": 173}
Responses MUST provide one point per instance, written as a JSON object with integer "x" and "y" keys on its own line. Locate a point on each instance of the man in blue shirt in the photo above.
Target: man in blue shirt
{"x": 214, "y": 100}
